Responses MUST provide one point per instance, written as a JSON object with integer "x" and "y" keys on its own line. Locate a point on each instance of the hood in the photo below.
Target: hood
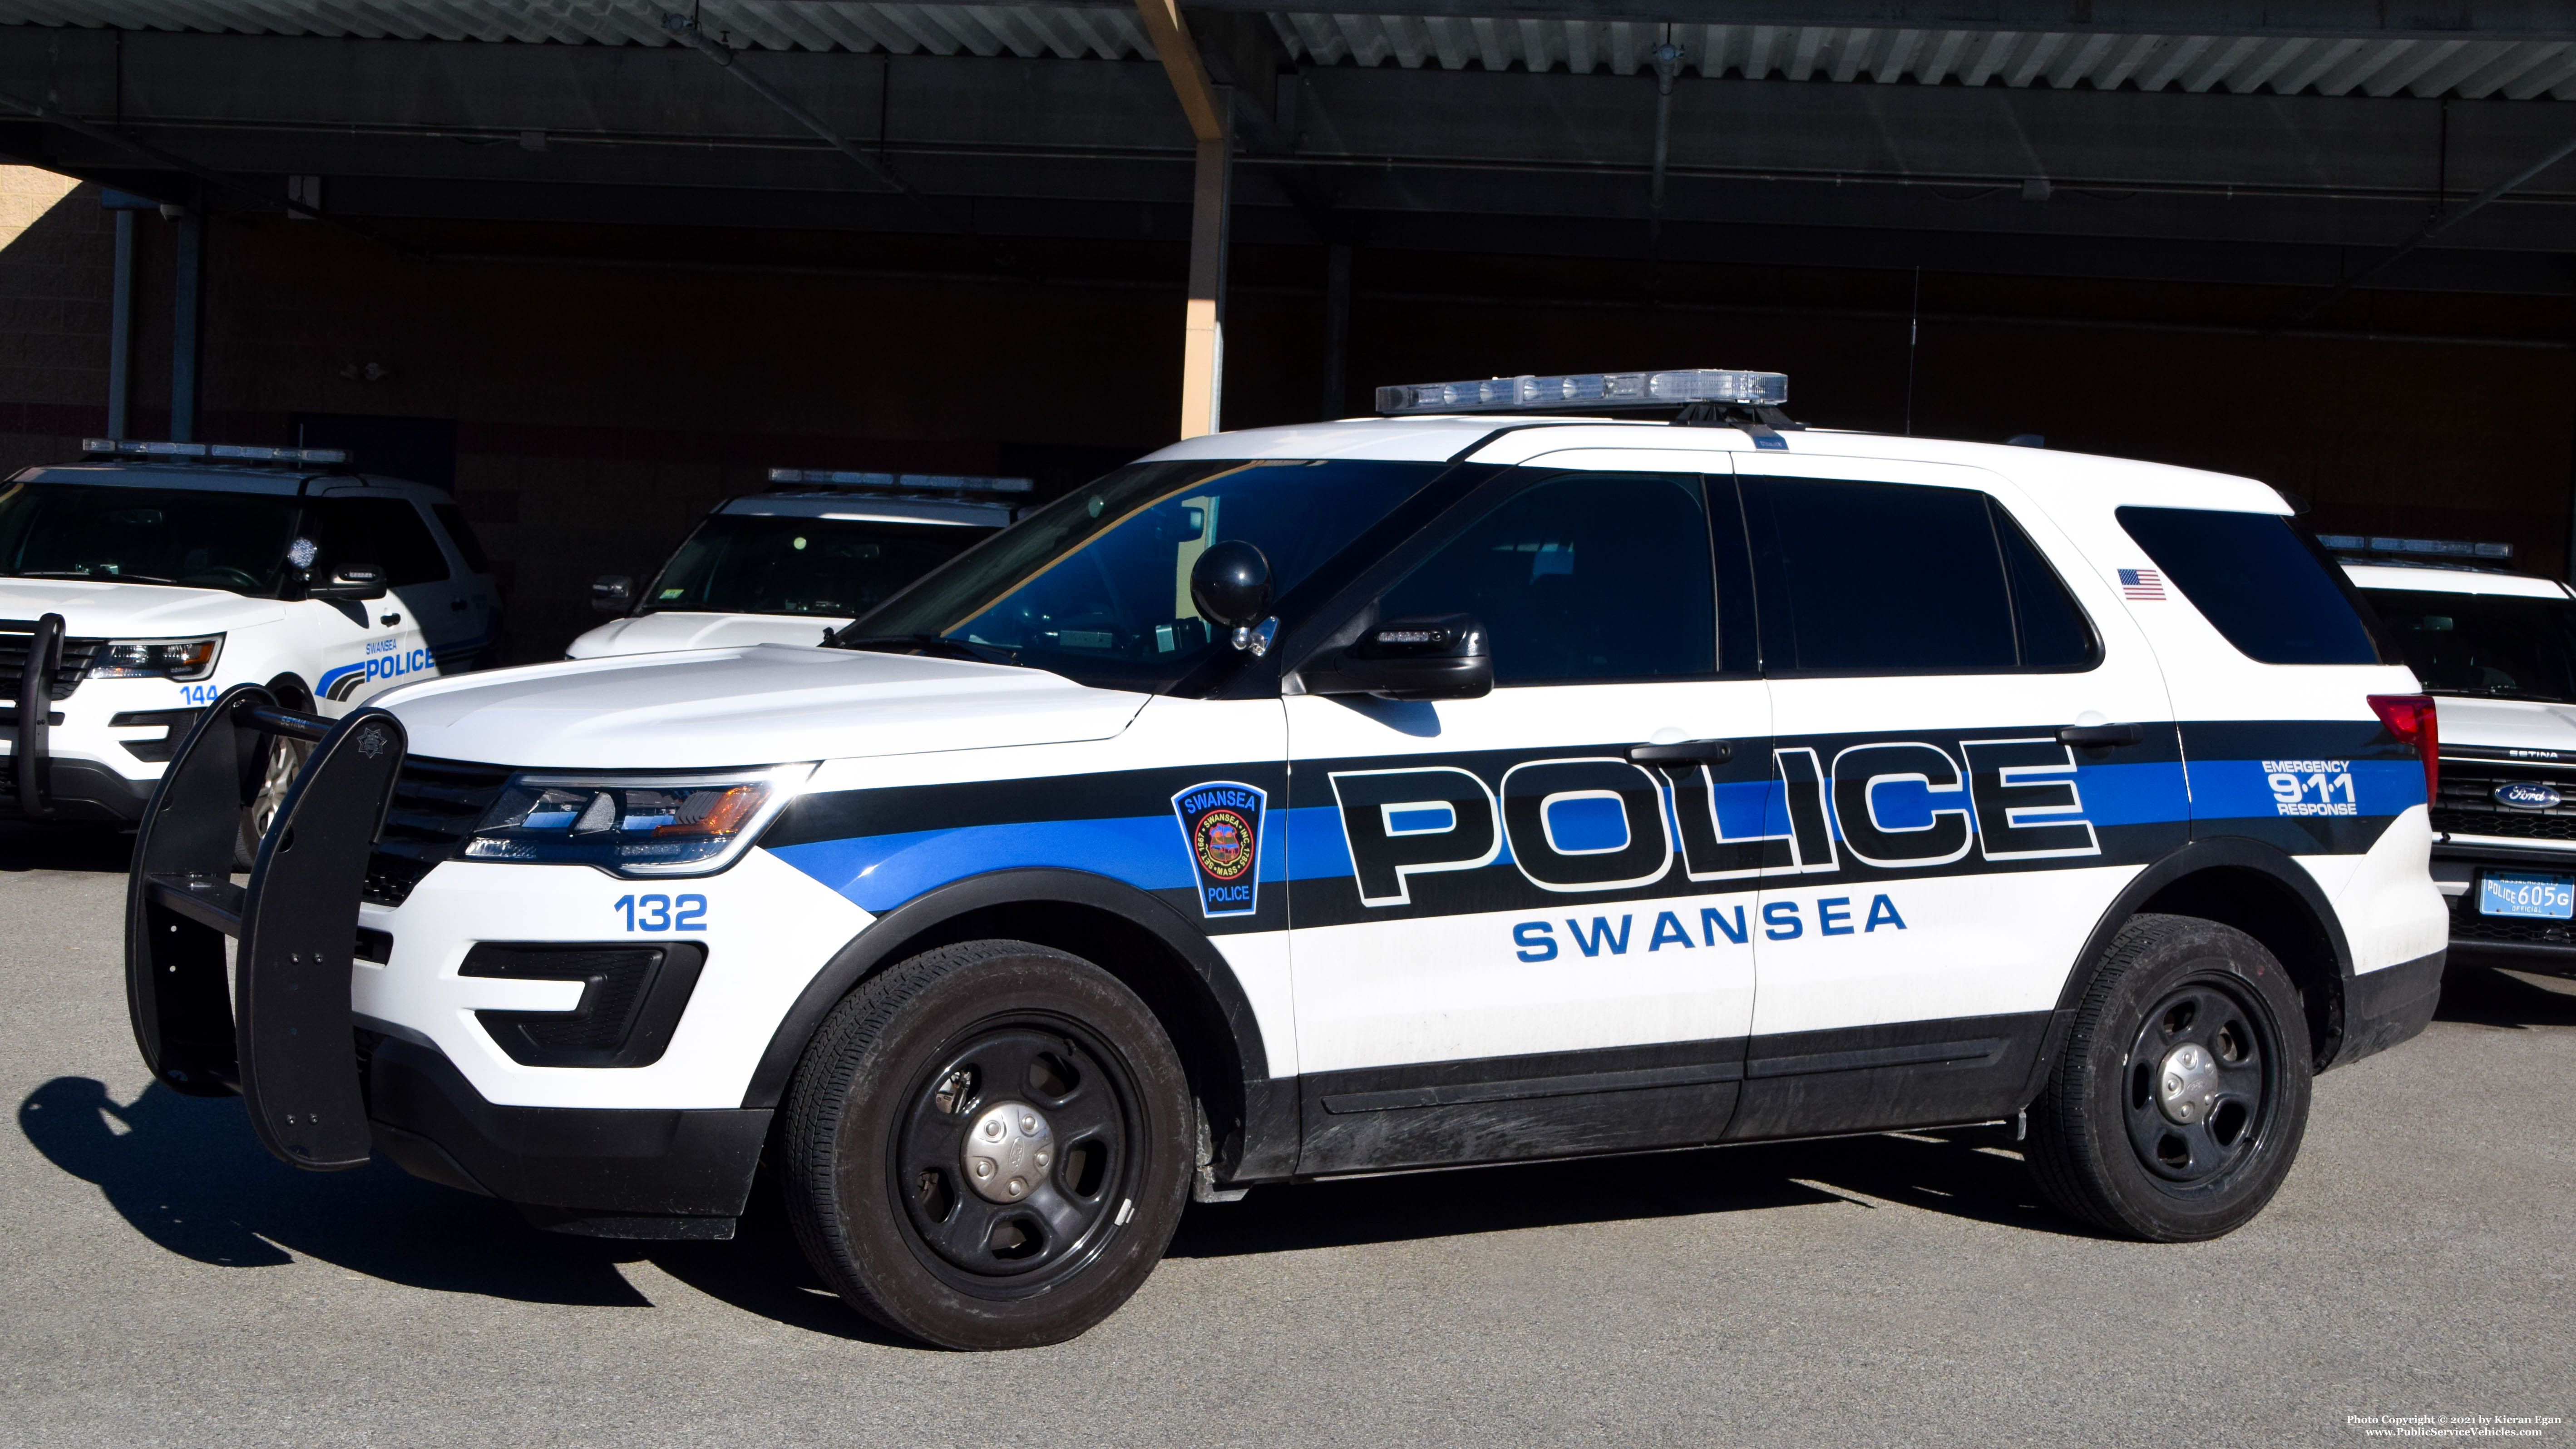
{"x": 661, "y": 632}
{"x": 99, "y": 609}
{"x": 766, "y": 704}
{"x": 2506, "y": 724}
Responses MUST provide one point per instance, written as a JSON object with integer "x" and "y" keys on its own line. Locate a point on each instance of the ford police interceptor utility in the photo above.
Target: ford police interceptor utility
{"x": 788, "y": 566}
{"x": 149, "y": 577}
{"x": 2499, "y": 650}
{"x": 1478, "y": 784}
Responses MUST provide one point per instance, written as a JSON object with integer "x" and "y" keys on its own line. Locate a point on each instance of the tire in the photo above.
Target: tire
{"x": 2177, "y": 1105}
{"x": 285, "y": 758}
{"x": 1090, "y": 1164}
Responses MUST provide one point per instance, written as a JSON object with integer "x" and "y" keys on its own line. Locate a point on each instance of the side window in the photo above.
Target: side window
{"x": 1587, "y": 576}
{"x": 386, "y": 532}
{"x": 452, "y": 518}
{"x": 2271, "y": 592}
{"x": 1890, "y": 578}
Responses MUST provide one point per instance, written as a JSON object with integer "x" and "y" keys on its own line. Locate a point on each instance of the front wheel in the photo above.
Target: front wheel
{"x": 2178, "y": 1103}
{"x": 988, "y": 1146}
{"x": 277, "y": 772}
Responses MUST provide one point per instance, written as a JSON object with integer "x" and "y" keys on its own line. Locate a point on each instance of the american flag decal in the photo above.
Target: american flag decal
{"x": 2141, "y": 584}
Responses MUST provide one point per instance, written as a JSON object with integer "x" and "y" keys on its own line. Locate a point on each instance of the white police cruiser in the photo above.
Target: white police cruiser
{"x": 150, "y": 576}
{"x": 1478, "y": 784}
{"x": 820, "y": 548}
{"x": 2499, "y": 649}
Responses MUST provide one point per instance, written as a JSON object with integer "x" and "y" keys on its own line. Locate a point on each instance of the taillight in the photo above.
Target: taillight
{"x": 2410, "y": 717}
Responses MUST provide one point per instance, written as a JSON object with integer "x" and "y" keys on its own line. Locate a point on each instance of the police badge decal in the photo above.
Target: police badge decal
{"x": 1221, "y": 822}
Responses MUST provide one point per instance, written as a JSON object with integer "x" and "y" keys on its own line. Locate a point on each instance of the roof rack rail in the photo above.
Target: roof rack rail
{"x": 843, "y": 480}
{"x": 238, "y": 454}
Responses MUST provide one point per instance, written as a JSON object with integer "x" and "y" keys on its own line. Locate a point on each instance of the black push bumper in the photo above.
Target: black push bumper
{"x": 324, "y": 1091}
{"x": 36, "y": 786}
{"x": 281, "y": 1035}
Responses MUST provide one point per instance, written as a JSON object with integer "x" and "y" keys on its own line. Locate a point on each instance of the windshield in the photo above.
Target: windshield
{"x": 1096, "y": 585}
{"x": 2504, "y": 645}
{"x": 741, "y": 564}
{"x": 192, "y": 537}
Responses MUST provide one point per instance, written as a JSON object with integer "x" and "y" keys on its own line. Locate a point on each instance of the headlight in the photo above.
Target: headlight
{"x": 633, "y": 824}
{"x": 156, "y": 658}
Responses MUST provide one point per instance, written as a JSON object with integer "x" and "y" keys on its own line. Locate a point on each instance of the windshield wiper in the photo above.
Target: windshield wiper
{"x": 938, "y": 644}
{"x": 89, "y": 574}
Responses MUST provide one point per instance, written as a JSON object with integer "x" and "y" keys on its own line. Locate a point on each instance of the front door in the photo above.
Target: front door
{"x": 1498, "y": 943}
{"x": 1956, "y": 846}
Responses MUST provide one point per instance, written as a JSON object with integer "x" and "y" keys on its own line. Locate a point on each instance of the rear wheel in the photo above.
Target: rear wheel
{"x": 988, "y": 1146}
{"x": 2177, "y": 1106}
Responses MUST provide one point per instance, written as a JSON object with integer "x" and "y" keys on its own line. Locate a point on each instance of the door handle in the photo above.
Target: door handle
{"x": 1690, "y": 752}
{"x": 2100, "y": 737}
{"x": 389, "y": 620}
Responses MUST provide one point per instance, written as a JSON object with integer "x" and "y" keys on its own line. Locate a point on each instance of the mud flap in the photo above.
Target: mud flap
{"x": 283, "y": 1040}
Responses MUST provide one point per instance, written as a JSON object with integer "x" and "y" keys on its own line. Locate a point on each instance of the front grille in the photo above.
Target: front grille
{"x": 2468, "y": 925}
{"x": 77, "y": 653}
{"x": 435, "y": 803}
{"x": 2467, "y": 803}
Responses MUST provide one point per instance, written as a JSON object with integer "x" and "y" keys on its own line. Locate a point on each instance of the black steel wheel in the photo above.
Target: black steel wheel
{"x": 988, "y": 1146}
{"x": 1013, "y": 1156}
{"x": 2177, "y": 1104}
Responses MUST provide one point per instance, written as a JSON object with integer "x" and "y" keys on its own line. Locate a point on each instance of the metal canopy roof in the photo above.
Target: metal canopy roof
{"x": 2328, "y": 64}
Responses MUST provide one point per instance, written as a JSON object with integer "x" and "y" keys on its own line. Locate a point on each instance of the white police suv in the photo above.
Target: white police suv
{"x": 788, "y": 566}
{"x": 1478, "y": 784}
{"x": 2499, "y": 650}
{"x": 147, "y": 578}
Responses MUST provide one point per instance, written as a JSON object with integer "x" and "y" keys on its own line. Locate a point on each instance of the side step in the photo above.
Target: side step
{"x": 281, "y": 1035}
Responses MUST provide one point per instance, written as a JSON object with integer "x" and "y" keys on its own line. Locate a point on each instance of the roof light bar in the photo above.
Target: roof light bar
{"x": 1595, "y": 390}
{"x": 213, "y": 452}
{"x": 895, "y": 482}
{"x": 2432, "y": 547}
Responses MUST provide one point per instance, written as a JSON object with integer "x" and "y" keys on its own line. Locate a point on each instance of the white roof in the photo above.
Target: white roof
{"x": 2436, "y": 579}
{"x": 1511, "y": 438}
{"x": 215, "y": 478}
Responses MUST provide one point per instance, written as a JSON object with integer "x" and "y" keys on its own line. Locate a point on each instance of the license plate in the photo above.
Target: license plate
{"x": 2524, "y": 893}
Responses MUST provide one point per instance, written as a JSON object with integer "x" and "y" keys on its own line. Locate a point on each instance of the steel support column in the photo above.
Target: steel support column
{"x": 187, "y": 324}
{"x": 120, "y": 328}
{"x": 1203, "y": 340}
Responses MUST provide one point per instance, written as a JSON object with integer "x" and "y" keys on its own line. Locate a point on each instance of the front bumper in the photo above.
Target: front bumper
{"x": 77, "y": 791}
{"x": 2548, "y": 947}
{"x": 598, "y": 1171}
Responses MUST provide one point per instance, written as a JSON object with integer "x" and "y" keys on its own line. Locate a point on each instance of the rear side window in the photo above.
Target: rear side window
{"x": 386, "y": 532}
{"x": 1890, "y": 578}
{"x": 2269, "y": 591}
{"x": 452, "y": 518}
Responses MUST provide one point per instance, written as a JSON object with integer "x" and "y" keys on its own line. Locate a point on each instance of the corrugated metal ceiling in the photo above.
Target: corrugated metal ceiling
{"x": 2329, "y": 65}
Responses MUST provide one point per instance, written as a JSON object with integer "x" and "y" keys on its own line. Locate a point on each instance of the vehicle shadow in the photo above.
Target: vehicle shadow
{"x": 187, "y": 1174}
{"x": 27, "y": 845}
{"x": 2484, "y": 995}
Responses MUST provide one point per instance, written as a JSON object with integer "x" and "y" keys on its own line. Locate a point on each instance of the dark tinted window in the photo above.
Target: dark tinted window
{"x": 741, "y": 564}
{"x": 452, "y": 518}
{"x": 199, "y": 538}
{"x": 2054, "y": 632}
{"x": 1872, "y": 578}
{"x": 2254, "y": 578}
{"x": 386, "y": 532}
{"x": 1590, "y": 576}
{"x": 2504, "y": 645}
{"x": 1095, "y": 586}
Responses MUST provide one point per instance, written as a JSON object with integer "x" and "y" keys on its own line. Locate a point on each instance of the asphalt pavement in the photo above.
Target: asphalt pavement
{"x": 163, "y": 1281}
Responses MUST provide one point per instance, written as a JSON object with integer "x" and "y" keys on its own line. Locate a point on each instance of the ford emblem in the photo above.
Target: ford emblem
{"x": 2527, "y": 795}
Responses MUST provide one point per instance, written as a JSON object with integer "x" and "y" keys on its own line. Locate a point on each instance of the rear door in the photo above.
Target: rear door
{"x": 1498, "y": 946}
{"x": 1954, "y": 850}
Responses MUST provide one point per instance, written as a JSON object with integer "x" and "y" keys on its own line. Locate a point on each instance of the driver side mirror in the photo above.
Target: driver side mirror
{"x": 1421, "y": 656}
{"x": 612, "y": 593}
{"x": 354, "y": 582}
